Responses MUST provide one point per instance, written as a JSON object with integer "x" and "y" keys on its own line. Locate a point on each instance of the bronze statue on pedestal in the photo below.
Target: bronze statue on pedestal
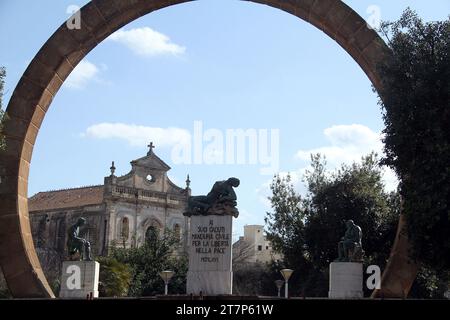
{"x": 76, "y": 244}
{"x": 221, "y": 200}
{"x": 350, "y": 247}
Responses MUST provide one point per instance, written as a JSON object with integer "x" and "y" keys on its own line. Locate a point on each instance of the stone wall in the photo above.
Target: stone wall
{"x": 50, "y": 228}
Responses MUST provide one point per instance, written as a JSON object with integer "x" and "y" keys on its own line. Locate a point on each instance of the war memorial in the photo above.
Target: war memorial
{"x": 143, "y": 237}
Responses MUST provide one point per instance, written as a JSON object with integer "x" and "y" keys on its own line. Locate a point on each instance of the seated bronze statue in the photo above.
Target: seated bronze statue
{"x": 350, "y": 247}
{"x": 221, "y": 200}
{"x": 76, "y": 244}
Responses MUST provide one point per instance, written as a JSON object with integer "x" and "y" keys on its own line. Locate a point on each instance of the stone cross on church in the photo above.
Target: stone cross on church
{"x": 151, "y": 146}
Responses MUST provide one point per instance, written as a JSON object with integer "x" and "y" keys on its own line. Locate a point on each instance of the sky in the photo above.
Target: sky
{"x": 190, "y": 78}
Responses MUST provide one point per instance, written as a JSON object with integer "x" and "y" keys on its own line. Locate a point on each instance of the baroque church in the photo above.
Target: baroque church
{"x": 119, "y": 212}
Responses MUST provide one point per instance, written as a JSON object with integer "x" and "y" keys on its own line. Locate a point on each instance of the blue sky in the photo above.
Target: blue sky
{"x": 229, "y": 64}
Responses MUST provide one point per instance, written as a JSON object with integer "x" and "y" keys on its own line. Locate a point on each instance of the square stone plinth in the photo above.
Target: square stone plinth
{"x": 210, "y": 244}
{"x": 209, "y": 282}
{"x": 79, "y": 279}
{"x": 346, "y": 280}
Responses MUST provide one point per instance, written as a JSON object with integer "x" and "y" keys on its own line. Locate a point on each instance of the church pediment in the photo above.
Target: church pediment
{"x": 151, "y": 161}
{"x": 149, "y": 173}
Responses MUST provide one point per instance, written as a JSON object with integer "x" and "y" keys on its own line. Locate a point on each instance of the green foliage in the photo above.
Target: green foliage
{"x": 254, "y": 279}
{"x": 416, "y": 107}
{"x": 430, "y": 284}
{"x": 146, "y": 261}
{"x": 2, "y": 84}
{"x": 4, "y": 290}
{"x": 55, "y": 285}
{"x": 306, "y": 231}
{"x": 285, "y": 224}
{"x": 115, "y": 277}
{"x": 179, "y": 265}
{"x": 353, "y": 192}
{"x": 2, "y": 113}
{"x": 286, "y": 231}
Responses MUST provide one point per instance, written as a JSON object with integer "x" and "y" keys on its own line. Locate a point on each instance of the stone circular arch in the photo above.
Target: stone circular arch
{"x": 66, "y": 48}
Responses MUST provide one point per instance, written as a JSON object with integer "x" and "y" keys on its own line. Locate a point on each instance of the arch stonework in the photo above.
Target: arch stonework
{"x": 66, "y": 48}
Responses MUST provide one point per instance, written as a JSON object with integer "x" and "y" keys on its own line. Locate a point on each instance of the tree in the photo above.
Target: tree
{"x": 254, "y": 279}
{"x": 285, "y": 230}
{"x": 2, "y": 113}
{"x": 285, "y": 225}
{"x": 306, "y": 230}
{"x": 416, "y": 112}
{"x": 430, "y": 284}
{"x": 148, "y": 260}
{"x": 4, "y": 290}
{"x": 352, "y": 192}
{"x": 115, "y": 277}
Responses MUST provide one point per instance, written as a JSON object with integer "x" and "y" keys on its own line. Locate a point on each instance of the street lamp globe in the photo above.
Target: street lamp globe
{"x": 279, "y": 284}
{"x": 286, "y": 273}
{"x": 166, "y": 275}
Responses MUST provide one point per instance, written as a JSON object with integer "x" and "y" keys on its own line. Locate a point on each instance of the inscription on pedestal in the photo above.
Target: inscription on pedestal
{"x": 210, "y": 242}
{"x": 210, "y": 239}
{"x": 210, "y": 255}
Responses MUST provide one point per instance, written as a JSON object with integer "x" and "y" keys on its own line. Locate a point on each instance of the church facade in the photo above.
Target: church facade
{"x": 119, "y": 212}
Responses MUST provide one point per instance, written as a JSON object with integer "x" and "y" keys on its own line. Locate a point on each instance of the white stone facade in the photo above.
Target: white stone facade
{"x": 119, "y": 212}
{"x": 145, "y": 198}
{"x": 253, "y": 246}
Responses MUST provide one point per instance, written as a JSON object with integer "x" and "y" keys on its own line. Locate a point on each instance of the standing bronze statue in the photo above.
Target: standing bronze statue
{"x": 350, "y": 246}
{"x": 76, "y": 244}
{"x": 221, "y": 200}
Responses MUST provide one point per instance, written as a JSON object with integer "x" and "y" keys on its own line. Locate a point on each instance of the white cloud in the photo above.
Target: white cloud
{"x": 264, "y": 192}
{"x": 81, "y": 75}
{"x": 138, "y": 136}
{"x": 390, "y": 179}
{"x": 147, "y": 42}
{"x": 347, "y": 144}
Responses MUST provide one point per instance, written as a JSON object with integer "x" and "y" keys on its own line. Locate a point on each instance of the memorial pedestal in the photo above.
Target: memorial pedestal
{"x": 210, "y": 244}
{"x": 210, "y": 282}
{"x": 79, "y": 279}
{"x": 346, "y": 280}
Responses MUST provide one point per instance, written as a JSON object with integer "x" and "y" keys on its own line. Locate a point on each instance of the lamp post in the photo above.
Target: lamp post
{"x": 286, "y": 273}
{"x": 279, "y": 284}
{"x": 166, "y": 275}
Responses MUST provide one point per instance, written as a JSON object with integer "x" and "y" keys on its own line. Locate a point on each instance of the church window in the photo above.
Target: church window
{"x": 151, "y": 234}
{"x": 125, "y": 230}
{"x": 177, "y": 231}
{"x": 259, "y": 248}
{"x": 149, "y": 178}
